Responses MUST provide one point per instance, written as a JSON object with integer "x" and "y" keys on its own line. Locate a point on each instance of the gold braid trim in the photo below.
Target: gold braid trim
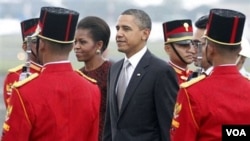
{"x": 191, "y": 111}
{"x": 192, "y": 81}
{"x": 222, "y": 43}
{"x": 170, "y": 40}
{"x": 57, "y": 41}
{"x": 22, "y": 82}
{"x": 17, "y": 68}
{"x": 87, "y": 77}
{"x": 24, "y": 109}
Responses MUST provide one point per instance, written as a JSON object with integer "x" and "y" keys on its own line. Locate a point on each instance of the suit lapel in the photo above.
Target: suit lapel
{"x": 135, "y": 80}
{"x": 113, "y": 82}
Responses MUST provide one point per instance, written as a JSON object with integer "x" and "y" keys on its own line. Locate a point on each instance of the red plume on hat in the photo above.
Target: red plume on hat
{"x": 225, "y": 26}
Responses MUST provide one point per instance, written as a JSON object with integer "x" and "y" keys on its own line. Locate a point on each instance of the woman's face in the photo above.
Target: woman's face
{"x": 85, "y": 47}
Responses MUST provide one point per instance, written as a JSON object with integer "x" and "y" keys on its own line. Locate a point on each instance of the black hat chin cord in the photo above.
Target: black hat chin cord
{"x": 177, "y": 53}
{"x": 37, "y": 52}
{"x": 35, "y": 56}
{"x": 209, "y": 62}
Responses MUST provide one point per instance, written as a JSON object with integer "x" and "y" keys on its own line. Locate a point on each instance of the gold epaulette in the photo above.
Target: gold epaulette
{"x": 26, "y": 80}
{"x": 178, "y": 71}
{"x": 87, "y": 77}
{"x": 192, "y": 81}
{"x": 35, "y": 67}
{"x": 17, "y": 68}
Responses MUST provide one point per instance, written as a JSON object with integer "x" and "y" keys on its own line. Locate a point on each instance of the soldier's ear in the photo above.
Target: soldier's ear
{"x": 24, "y": 46}
{"x": 167, "y": 48}
{"x": 42, "y": 43}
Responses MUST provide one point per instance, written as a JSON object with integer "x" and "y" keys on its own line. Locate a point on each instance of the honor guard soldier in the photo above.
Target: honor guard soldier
{"x": 200, "y": 60}
{"x": 58, "y": 104}
{"x": 205, "y": 104}
{"x": 27, "y": 28}
{"x": 177, "y": 36}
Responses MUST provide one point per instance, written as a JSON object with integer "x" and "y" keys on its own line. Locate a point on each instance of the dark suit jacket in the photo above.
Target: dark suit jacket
{"x": 147, "y": 107}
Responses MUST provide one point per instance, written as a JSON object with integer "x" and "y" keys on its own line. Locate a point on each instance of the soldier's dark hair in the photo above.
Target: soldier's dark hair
{"x": 202, "y": 22}
{"x": 98, "y": 28}
{"x": 223, "y": 49}
{"x": 59, "y": 48}
{"x": 142, "y": 18}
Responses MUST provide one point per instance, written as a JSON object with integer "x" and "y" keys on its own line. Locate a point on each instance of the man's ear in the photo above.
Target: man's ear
{"x": 167, "y": 48}
{"x": 42, "y": 44}
{"x": 145, "y": 34}
{"x": 24, "y": 46}
{"x": 211, "y": 49}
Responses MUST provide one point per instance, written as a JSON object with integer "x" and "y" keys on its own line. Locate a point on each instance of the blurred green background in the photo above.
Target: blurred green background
{"x": 11, "y": 52}
{"x": 13, "y": 55}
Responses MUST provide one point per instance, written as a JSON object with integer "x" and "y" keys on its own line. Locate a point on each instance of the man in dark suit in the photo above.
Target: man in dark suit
{"x": 144, "y": 111}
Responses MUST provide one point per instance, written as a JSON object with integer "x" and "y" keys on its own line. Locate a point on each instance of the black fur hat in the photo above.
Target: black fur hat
{"x": 57, "y": 24}
{"x": 178, "y": 31}
{"x": 28, "y": 27}
{"x": 225, "y": 26}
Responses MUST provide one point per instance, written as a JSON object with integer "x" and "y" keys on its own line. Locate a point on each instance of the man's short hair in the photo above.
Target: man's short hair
{"x": 202, "y": 22}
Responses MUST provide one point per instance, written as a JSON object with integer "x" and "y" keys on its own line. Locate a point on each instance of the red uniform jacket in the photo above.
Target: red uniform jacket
{"x": 56, "y": 105}
{"x": 203, "y": 107}
{"x": 182, "y": 74}
{"x": 13, "y": 76}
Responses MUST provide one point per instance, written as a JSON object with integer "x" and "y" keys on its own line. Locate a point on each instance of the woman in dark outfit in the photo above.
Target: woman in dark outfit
{"x": 91, "y": 40}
